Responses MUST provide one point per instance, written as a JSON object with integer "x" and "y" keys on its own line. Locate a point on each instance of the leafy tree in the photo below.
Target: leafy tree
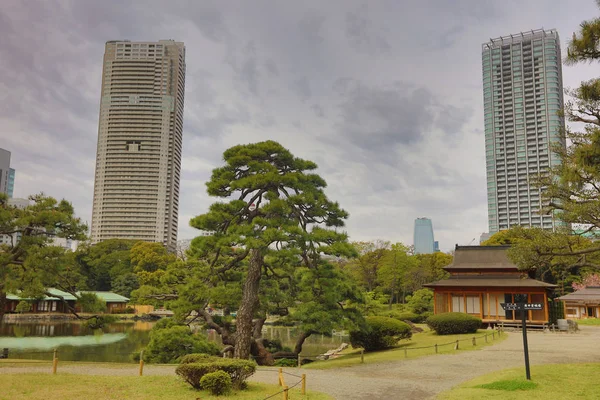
{"x": 104, "y": 262}
{"x": 392, "y": 274}
{"x": 125, "y": 284}
{"x": 91, "y": 303}
{"x": 273, "y": 209}
{"x": 33, "y": 264}
{"x": 365, "y": 268}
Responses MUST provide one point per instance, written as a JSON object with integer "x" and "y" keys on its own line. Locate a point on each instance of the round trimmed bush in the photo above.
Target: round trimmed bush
{"x": 453, "y": 323}
{"x": 217, "y": 383}
{"x": 380, "y": 333}
{"x": 193, "y": 372}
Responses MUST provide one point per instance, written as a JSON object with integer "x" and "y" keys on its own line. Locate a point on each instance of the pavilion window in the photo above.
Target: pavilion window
{"x": 473, "y": 306}
{"x": 458, "y": 303}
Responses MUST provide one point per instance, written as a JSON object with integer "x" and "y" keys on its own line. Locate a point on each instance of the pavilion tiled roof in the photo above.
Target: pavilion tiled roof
{"x": 590, "y": 294}
{"x": 489, "y": 281}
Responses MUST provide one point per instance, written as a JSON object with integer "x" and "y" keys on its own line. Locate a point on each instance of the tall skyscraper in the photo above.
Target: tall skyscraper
{"x": 423, "y": 236}
{"x": 523, "y": 92}
{"x": 138, "y": 162}
{"x": 10, "y": 189}
{"x": 5, "y": 173}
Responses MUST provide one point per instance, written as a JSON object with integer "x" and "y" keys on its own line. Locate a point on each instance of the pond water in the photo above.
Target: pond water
{"x": 118, "y": 342}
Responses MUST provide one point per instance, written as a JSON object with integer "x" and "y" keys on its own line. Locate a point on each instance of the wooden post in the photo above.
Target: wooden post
{"x": 303, "y": 384}
{"x": 280, "y": 376}
{"x": 488, "y": 305}
{"x": 285, "y": 393}
{"x": 141, "y": 362}
{"x": 436, "y": 348}
{"x": 405, "y": 353}
{"x": 54, "y": 362}
{"x": 456, "y": 346}
{"x": 362, "y": 355}
{"x": 474, "y": 342}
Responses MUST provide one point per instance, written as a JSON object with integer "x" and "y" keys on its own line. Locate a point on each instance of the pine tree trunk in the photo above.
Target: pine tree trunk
{"x": 243, "y": 322}
{"x": 300, "y": 342}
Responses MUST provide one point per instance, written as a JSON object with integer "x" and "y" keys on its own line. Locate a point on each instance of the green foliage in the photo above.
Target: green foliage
{"x": 402, "y": 315}
{"x": 217, "y": 383}
{"x": 556, "y": 311}
{"x": 168, "y": 345}
{"x": 453, "y": 323}
{"x": 33, "y": 264}
{"x": 238, "y": 371}
{"x": 421, "y": 301}
{"x": 99, "y": 321}
{"x": 125, "y": 284}
{"x": 286, "y": 362}
{"x": 197, "y": 358}
{"x": 380, "y": 333}
{"x": 103, "y": 263}
{"x": 91, "y": 303}
{"x": 23, "y": 307}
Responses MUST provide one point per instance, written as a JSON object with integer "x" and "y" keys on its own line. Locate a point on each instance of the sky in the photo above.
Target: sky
{"x": 385, "y": 96}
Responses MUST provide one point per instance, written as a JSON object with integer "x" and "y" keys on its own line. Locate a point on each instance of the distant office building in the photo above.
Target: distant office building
{"x": 423, "y": 236}
{"x": 11, "y": 182}
{"x": 5, "y": 174}
{"x": 12, "y": 240}
{"x": 484, "y": 236}
{"x": 436, "y": 246}
{"x": 523, "y": 93}
{"x": 138, "y": 162}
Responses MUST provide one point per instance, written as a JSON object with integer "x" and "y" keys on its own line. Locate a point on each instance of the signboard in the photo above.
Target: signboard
{"x": 522, "y": 306}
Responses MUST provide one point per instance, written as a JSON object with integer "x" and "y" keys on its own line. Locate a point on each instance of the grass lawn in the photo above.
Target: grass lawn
{"x": 64, "y": 386}
{"x": 565, "y": 381}
{"x": 413, "y": 349}
{"x": 588, "y": 321}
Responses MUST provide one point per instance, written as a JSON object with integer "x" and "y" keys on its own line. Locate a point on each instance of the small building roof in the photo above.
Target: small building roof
{"x": 52, "y": 291}
{"x": 490, "y": 281}
{"x": 110, "y": 297}
{"x": 588, "y": 295}
{"x": 481, "y": 258}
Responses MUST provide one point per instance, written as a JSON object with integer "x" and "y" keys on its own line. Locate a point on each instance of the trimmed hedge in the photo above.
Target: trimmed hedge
{"x": 197, "y": 357}
{"x": 453, "y": 323}
{"x": 380, "y": 333}
{"x": 217, "y": 383}
{"x": 238, "y": 370}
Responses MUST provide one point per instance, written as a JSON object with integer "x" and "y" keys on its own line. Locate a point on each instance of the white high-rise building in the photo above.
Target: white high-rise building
{"x": 523, "y": 92}
{"x": 138, "y": 162}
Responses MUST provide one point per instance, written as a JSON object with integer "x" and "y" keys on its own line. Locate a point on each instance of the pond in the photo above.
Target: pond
{"x": 120, "y": 341}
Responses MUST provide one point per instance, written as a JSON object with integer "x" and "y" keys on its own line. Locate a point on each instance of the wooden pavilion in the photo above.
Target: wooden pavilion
{"x": 584, "y": 303}
{"x": 481, "y": 278}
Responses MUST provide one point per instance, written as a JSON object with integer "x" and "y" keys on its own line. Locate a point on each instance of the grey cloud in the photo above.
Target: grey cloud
{"x": 302, "y": 88}
{"x": 363, "y": 34}
{"x": 311, "y": 26}
{"x": 318, "y": 110}
{"x": 271, "y": 67}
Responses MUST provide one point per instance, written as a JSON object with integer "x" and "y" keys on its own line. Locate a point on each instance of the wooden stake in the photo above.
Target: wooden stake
{"x": 285, "y": 393}
{"x": 54, "y": 362}
{"x": 303, "y": 384}
{"x": 474, "y": 342}
{"x": 141, "y": 362}
{"x": 405, "y": 353}
{"x": 456, "y": 346}
{"x": 281, "y": 377}
{"x": 436, "y": 348}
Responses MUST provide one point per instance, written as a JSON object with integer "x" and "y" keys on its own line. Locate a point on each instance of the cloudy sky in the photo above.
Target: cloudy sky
{"x": 385, "y": 96}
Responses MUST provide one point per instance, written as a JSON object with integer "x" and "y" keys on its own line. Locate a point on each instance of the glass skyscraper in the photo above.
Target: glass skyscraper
{"x": 523, "y": 92}
{"x": 11, "y": 182}
{"x": 423, "y": 236}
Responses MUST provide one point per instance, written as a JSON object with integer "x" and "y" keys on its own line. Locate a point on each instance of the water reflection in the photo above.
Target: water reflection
{"x": 117, "y": 342}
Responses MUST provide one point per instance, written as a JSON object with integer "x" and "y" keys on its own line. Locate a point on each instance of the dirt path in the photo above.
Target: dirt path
{"x": 420, "y": 378}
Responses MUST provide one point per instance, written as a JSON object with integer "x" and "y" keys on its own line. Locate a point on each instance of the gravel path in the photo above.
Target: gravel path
{"x": 420, "y": 378}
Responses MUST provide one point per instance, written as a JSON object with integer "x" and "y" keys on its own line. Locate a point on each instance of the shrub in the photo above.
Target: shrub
{"x": 421, "y": 301}
{"x": 23, "y": 306}
{"x": 196, "y": 358}
{"x": 217, "y": 383}
{"x": 91, "y": 303}
{"x": 286, "y": 362}
{"x": 168, "y": 345}
{"x": 238, "y": 370}
{"x": 402, "y": 315}
{"x": 453, "y": 323}
{"x": 380, "y": 333}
